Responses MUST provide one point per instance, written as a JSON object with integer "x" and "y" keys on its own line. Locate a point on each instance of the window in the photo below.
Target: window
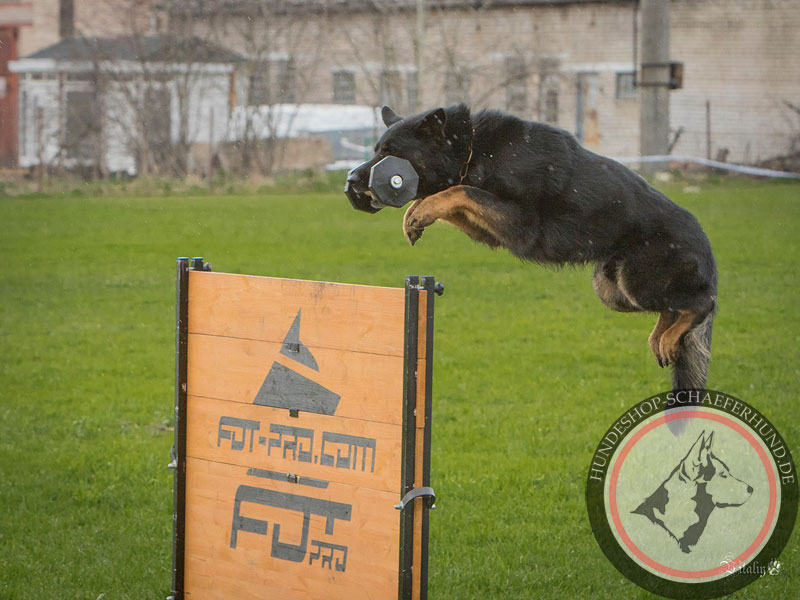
{"x": 551, "y": 106}
{"x": 516, "y": 84}
{"x": 272, "y": 82}
{"x": 344, "y": 87}
{"x": 456, "y": 86}
{"x": 79, "y": 134}
{"x": 625, "y": 85}
{"x": 391, "y": 88}
{"x": 411, "y": 91}
{"x": 23, "y": 122}
{"x": 287, "y": 80}
{"x": 157, "y": 123}
{"x": 548, "y": 97}
{"x": 259, "y": 88}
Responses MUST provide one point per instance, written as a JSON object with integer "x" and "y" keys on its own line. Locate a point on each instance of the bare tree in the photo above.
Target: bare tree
{"x": 284, "y": 48}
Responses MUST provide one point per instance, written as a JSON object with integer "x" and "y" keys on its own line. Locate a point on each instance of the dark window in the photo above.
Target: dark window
{"x": 259, "y": 89}
{"x": 391, "y": 88}
{"x": 516, "y": 84}
{"x": 456, "y": 86}
{"x": 344, "y": 87}
{"x": 287, "y": 80}
{"x": 551, "y": 106}
{"x": 158, "y": 121}
{"x": 272, "y": 82}
{"x": 625, "y": 85}
{"x": 411, "y": 91}
{"x": 23, "y": 122}
{"x": 81, "y": 123}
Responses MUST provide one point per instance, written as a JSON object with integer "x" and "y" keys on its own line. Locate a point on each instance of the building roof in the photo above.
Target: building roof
{"x": 151, "y": 48}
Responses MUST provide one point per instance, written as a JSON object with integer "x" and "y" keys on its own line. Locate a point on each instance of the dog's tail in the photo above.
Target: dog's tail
{"x": 691, "y": 368}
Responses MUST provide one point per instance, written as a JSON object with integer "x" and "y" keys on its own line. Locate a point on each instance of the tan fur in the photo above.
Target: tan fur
{"x": 670, "y": 340}
{"x": 454, "y": 206}
{"x": 665, "y": 321}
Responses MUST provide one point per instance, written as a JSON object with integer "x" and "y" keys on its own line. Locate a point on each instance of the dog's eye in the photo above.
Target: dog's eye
{"x": 723, "y": 475}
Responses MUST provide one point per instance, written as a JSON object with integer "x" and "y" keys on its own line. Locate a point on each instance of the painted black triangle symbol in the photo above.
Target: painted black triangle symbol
{"x": 285, "y": 388}
{"x": 295, "y": 349}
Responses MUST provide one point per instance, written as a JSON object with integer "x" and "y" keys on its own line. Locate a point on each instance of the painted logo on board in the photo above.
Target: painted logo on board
{"x": 692, "y": 494}
{"x": 285, "y": 388}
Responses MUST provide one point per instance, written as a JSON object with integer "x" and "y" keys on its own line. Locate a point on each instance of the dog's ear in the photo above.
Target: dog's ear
{"x": 691, "y": 462}
{"x": 701, "y": 448}
{"x": 433, "y": 123}
{"x": 389, "y": 116}
{"x": 705, "y": 450}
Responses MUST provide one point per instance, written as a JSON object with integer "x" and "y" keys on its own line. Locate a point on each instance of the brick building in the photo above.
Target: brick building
{"x": 571, "y": 63}
{"x": 567, "y": 62}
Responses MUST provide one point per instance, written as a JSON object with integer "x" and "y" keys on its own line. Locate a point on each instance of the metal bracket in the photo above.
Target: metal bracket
{"x": 197, "y": 264}
{"x": 427, "y": 493}
{"x": 438, "y": 288}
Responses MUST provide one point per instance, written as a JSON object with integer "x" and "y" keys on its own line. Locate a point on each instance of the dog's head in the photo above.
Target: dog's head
{"x": 701, "y": 465}
{"x": 437, "y": 143}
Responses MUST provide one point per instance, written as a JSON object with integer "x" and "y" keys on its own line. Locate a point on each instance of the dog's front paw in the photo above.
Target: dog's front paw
{"x": 414, "y": 223}
{"x": 413, "y": 228}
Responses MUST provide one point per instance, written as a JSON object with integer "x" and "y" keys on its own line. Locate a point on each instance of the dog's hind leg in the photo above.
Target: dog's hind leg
{"x": 669, "y": 340}
{"x": 607, "y": 287}
{"x": 478, "y": 213}
{"x": 665, "y": 321}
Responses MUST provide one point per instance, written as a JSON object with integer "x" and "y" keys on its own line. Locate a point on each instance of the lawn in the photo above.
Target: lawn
{"x": 530, "y": 370}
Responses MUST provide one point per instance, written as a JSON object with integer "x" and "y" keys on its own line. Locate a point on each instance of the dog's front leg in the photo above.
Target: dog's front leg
{"x": 478, "y": 213}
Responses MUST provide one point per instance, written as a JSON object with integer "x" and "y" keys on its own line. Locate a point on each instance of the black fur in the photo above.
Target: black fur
{"x": 563, "y": 204}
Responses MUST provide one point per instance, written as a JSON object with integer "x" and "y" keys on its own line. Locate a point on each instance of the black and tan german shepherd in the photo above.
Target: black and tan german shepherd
{"x": 534, "y": 190}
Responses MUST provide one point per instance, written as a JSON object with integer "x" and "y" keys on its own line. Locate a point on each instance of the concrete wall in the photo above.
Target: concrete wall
{"x": 742, "y": 55}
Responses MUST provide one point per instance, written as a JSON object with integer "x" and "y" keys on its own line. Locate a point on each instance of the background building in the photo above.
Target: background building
{"x": 574, "y": 63}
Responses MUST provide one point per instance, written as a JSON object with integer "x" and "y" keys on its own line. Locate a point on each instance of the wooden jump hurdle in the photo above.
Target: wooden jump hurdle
{"x": 302, "y": 438}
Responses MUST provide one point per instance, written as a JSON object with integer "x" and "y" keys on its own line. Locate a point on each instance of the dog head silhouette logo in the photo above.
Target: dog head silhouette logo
{"x": 698, "y": 484}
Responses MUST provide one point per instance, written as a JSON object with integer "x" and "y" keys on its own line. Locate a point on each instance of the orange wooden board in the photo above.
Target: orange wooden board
{"x": 337, "y": 542}
{"x": 294, "y": 439}
{"x": 338, "y": 316}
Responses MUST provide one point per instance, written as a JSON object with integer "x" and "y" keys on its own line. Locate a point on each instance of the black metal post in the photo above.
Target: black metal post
{"x": 432, "y": 288}
{"x": 409, "y": 424}
{"x": 179, "y": 447}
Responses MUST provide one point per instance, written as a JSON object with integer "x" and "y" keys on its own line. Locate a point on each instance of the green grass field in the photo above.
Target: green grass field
{"x": 530, "y": 370}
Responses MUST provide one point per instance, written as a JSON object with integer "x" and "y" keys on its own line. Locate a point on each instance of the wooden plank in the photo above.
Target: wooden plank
{"x": 345, "y": 317}
{"x": 370, "y": 385}
{"x": 347, "y": 451}
{"x": 251, "y": 566}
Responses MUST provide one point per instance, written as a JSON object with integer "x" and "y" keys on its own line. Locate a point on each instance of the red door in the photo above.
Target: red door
{"x": 8, "y": 98}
